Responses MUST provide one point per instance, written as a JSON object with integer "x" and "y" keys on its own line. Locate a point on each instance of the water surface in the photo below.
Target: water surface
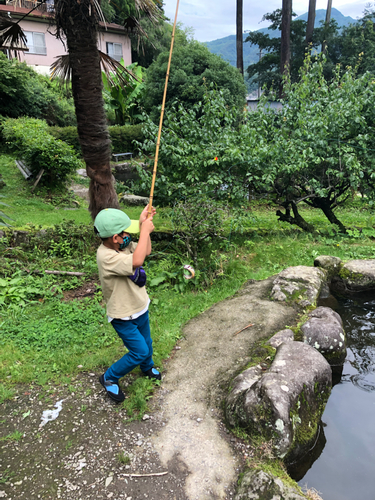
{"x": 345, "y": 469}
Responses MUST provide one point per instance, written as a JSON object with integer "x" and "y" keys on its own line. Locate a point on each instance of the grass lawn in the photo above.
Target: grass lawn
{"x": 43, "y": 337}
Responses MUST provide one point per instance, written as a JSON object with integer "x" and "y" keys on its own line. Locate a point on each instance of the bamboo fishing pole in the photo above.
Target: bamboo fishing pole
{"x": 162, "y": 115}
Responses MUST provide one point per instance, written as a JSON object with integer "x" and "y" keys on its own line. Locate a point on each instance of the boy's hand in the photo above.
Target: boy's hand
{"x": 147, "y": 226}
{"x": 144, "y": 215}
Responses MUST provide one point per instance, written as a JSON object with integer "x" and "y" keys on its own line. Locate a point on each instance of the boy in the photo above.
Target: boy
{"x": 122, "y": 279}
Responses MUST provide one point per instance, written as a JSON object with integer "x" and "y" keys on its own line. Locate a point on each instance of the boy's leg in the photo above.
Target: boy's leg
{"x": 135, "y": 342}
{"x": 147, "y": 366}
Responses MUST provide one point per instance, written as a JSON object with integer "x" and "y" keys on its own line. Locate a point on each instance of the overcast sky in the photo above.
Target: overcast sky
{"x": 212, "y": 19}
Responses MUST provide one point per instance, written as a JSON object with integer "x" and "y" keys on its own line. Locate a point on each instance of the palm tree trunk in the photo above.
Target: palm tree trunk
{"x": 78, "y": 21}
{"x": 286, "y": 19}
{"x": 239, "y": 37}
{"x": 310, "y": 21}
{"x": 328, "y": 19}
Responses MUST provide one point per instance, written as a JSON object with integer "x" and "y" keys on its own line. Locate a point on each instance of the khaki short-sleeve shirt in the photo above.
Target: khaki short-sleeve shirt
{"x": 123, "y": 297}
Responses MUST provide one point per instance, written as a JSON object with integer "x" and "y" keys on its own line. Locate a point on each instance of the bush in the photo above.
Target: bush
{"x": 30, "y": 137}
{"x": 122, "y": 137}
{"x": 23, "y": 92}
{"x": 68, "y": 135}
{"x": 193, "y": 66}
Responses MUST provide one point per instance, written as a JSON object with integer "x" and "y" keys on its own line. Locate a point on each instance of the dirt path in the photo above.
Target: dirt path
{"x": 90, "y": 451}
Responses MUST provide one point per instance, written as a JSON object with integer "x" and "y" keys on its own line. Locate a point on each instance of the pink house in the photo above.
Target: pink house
{"x": 43, "y": 47}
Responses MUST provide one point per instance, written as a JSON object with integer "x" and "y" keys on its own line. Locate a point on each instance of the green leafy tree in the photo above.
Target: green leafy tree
{"x": 267, "y": 70}
{"x": 321, "y": 149}
{"x": 192, "y": 66}
{"x": 202, "y": 152}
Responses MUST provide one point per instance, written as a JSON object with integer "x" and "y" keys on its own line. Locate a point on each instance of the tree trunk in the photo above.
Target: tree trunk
{"x": 78, "y": 21}
{"x": 239, "y": 39}
{"x": 285, "y": 40}
{"x": 310, "y": 21}
{"x": 328, "y": 19}
{"x": 325, "y": 207}
{"x": 297, "y": 220}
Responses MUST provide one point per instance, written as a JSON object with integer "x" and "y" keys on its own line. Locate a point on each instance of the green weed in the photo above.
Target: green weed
{"x": 123, "y": 459}
{"x": 14, "y": 436}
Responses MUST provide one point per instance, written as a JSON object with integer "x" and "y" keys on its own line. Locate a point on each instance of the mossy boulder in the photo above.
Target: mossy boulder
{"x": 260, "y": 485}
{"x": 355, "y": 276}
{"x": 329, "y": 263}
{"x": 324, "y": 331}
{"x": 285, "y": 403}
{"x": 299, "y": 285}
{"x": 280, "y": 337}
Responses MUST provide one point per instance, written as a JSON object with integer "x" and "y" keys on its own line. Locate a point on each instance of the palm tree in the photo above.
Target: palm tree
{"x": 310, "y": 21}
{"x": 239, "y": 35}
{"x": 328, "y": 19}
{"x": 77, "y": 22}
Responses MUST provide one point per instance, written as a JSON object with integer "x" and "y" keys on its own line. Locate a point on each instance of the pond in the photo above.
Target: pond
{"x": 342, "y": 464}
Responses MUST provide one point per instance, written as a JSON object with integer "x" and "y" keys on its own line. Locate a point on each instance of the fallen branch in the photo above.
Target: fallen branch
{"x": 246, "y": 327}
{"x": 146, "y": 475}
{"x": 69, "y": 273}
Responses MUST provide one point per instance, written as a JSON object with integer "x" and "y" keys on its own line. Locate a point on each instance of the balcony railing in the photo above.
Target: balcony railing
{"x": 48, "y": 6}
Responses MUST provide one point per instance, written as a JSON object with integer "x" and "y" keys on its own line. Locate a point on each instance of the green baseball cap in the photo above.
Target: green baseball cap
{"x": 112, "y": 221}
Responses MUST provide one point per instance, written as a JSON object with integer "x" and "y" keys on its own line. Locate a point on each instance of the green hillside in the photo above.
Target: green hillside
{"x": 226, "y": 47}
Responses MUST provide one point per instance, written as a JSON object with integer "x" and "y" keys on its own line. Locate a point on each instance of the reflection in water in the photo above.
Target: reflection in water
{"x": 345, "y": 468}
{"x": 298, "y": 470}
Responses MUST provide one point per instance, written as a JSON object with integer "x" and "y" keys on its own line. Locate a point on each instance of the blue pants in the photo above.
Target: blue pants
{"x": 136, "y": 336}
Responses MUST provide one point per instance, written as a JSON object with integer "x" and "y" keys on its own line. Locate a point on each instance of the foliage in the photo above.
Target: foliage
{"x": 352, "y": 45}
{"x": 202, "y": 151}
{"x": 267, "y": 70}
{"x": 199, "y": 224}
{"x": 122, "y": 137}
{"x": 23, "y": 92}
{"x": 320, "y": 149}
{"x": 192, "y": 65}
{"x": 125, "y": 100}
{"x": 31, "y": 139}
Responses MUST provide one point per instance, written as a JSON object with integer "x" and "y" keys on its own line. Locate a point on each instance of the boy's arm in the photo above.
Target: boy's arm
{"x": 143, "y": 217}
{"x": 144, "y": 243}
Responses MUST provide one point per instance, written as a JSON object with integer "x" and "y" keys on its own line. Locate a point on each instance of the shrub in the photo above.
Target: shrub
{"x": 31, "y": 138}
{"x": 122, "y": 137}
{"x": 23, "y": 92}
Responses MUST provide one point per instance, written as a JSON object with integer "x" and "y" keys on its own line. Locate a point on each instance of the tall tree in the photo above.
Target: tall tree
{"x": 286, "y": 19}
{"x": 328, "y": 19}
{"x": 310, "y": 21}
{"x": 239, "y": 35}
{"x": 78, "y": 22}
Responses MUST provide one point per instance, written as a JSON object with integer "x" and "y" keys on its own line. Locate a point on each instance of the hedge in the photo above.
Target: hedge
{"x": 122, "y": 137}
{"x": 30, "y": 138}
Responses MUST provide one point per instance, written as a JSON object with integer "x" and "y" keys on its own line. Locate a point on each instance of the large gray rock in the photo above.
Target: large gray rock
{"x": 329, "y": 263}
{"x": 284, "y": 403}
{"x": 282, "y": 336}
{"x": 300, "y": 285}
{"x": 355, "y": 276}
{"x": 324, "y": 332}
{"x": 260, "y": 485}
{"x": 134, "y": 200}
{"x": 81, "y": 191}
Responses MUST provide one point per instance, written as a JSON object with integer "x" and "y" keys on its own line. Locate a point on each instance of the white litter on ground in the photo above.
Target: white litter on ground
{"x": 49, "y": 415}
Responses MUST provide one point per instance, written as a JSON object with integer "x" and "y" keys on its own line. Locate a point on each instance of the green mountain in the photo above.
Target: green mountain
{"x": 226, "y": 47}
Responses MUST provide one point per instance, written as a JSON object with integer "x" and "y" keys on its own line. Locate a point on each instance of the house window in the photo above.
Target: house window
{"x": 114, "y": 50}
{"x": 36, "y": 43}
